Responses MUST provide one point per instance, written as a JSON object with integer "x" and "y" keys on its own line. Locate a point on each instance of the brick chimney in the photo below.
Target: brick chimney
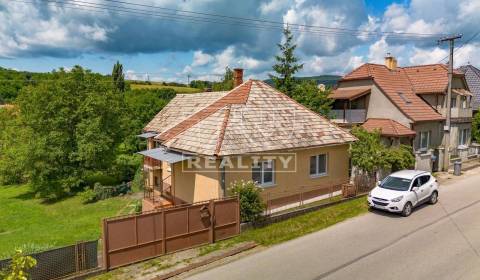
{"x": 390, "y": 62}
{"x": 237, "y": 77}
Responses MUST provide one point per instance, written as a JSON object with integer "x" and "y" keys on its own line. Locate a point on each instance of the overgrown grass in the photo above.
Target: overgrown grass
{"x": 159, "y": 86}
{"x": 27, "y": 222}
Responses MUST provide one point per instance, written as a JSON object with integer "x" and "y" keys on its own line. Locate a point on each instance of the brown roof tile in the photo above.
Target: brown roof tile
{"x": 388, "y": 127}
{"x": 400, "y": 89}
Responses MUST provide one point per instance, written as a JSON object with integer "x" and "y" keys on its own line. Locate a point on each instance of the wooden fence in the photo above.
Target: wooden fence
{"x": 134, "y": 238}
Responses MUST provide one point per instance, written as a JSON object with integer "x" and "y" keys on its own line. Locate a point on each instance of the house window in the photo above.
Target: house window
{"x": 263, "y": 172}
{"x": 318, "y": 165}
{"x": 453, "y": 102}
{"x": 464, "y": 102}
{"x": 424, "y": 140}
{"x": 463, "y": 136}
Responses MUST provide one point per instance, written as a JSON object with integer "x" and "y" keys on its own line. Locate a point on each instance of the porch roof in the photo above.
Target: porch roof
{"x": 350, "y": 93}
{"x": 147, "y": 135}
{"x": 164, "y": 154}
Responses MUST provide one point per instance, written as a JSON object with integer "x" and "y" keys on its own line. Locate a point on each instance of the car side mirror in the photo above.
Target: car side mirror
{"x": 379, "y": 183}
{"x": 415, "y": 188}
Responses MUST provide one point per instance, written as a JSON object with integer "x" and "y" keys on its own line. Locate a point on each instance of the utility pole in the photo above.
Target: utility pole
{"x": 447, "y": 127}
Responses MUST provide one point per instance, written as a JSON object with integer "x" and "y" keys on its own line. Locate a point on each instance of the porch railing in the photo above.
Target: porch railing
{"x": 349, "y": 115}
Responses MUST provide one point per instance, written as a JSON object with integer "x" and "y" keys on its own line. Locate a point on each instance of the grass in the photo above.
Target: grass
{"x": 176, "y": 89}
{"x": 30, "y": 223}
{"x": 304, "y": 224}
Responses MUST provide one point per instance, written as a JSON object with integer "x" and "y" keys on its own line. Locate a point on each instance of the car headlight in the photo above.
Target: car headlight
{"x": 397, "y": 199}
{"x": 370, "y": 194}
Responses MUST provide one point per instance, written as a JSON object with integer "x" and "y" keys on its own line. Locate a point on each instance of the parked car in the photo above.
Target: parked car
{"x": 404, "y": 190}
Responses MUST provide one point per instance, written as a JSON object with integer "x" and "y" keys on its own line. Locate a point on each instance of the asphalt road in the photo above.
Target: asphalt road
{"x": 436, "y": 242}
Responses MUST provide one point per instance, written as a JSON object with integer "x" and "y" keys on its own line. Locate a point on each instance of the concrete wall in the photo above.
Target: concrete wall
{"x": 381, "y": 107}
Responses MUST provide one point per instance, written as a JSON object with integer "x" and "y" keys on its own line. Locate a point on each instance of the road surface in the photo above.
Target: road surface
{"x": 436, "y": 242}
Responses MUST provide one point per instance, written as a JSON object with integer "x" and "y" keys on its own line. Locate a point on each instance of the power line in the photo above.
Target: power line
{"x": 458, "y": 50}
{"x": 244, "y": 22}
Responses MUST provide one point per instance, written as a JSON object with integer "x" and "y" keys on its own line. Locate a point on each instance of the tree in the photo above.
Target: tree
{"x": 17, "y": 270}
{"x": 368, "y": 153}
{"x": 286, "y": 65}
{"x": 226, "y": 83}
{"x": 317, "y": 100}
{"x": 251, "y": 204}
{"x": 118, "y": 77}
{"x": 66, "y": 129}
{"x": 476, "y": 128}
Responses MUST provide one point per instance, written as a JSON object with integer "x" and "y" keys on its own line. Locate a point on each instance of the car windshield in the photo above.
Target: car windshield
{"x": 395, "y": 183}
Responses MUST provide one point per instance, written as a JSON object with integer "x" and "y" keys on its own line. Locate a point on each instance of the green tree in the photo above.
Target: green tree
{"x": 317, "y": 100}
{"x": 368, "y": 153}
{"x": 17, "y": 270}
{"x": 67, "y": 129}
{"x": 118, "y": 77}
{"x": 251, "y": 204}
{"x": 226, "y": 83}
{"x": 287, "y": 65}
{"x": 476, "y": 128}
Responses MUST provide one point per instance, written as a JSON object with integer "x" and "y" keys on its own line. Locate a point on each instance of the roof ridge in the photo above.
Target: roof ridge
{"x": 237, "y": 95}
{"x": 221, "y": 136}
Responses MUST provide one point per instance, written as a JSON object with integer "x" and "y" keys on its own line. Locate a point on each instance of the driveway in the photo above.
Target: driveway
{"x": 435, "y": 242}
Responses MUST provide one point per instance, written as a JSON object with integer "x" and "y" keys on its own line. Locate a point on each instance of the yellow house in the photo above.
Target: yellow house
{"x": 200, "y": 144}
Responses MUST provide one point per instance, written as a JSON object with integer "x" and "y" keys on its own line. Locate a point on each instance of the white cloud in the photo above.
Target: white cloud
{"x": 200, "y": 58}
{"x": 427, "y": 56}
{"x": 378, "y": 50}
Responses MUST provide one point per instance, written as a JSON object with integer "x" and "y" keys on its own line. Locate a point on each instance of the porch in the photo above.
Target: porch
{"x": 158, "y": 176}
{"x": 350, "y": 105}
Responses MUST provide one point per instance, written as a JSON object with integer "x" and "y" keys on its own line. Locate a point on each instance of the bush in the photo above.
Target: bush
{"x": 17, "y": 270}
{"x": 138, "y": 207}
{"x": 88, "y": 196}
{"x": 251, "y": 204}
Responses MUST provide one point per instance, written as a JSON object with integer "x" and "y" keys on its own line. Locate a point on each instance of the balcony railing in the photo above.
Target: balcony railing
{"x": 349, "y": 116}
{"x": 458, "y": 112}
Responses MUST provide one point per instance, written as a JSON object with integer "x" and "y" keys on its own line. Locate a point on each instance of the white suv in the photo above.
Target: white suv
{"x": 403, "y": 190}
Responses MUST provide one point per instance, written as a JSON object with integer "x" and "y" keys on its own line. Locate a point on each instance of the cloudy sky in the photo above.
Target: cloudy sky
{"x": 170, "y": 39}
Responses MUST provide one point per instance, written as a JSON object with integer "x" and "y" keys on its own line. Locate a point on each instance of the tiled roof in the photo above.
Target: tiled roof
{"x": 253, "y": 117}
{"x": 472, "y": 76}
{"x": 180, "y": 108}
{"x": 350, "y": 92}
{"x": 388, "y": 127}
{"x": 399, "y": 88}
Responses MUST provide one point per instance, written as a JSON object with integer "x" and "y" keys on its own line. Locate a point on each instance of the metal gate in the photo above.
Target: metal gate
{"x": 134, "y": 238}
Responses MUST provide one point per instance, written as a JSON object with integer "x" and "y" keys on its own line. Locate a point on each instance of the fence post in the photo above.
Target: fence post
{"x": 106, "y": 263}
{"x": 212, "y": 221}
{"x": 238, "y": 214}
{"x": 164, "y": 233}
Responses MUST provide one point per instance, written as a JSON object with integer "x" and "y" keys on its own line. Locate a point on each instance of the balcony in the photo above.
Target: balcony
{"x": 458, "y": 112}
{"x": 349, "y": 116}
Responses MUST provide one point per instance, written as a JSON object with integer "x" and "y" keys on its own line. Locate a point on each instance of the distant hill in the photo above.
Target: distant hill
{"x": 327, "y": 80}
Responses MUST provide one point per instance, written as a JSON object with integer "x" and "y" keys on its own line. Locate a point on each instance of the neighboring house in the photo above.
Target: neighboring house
{"x": 201, "y": 143}
{"x": 472, "y": 76}
{"x": 407, "y": 104}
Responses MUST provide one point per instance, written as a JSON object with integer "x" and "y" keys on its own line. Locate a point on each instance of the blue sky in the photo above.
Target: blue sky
{"x": 40, "y": 36}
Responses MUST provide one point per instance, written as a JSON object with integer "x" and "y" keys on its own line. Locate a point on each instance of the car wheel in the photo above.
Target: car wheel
{"x": 433, "y": 198}
{"x": 407, "y": 209}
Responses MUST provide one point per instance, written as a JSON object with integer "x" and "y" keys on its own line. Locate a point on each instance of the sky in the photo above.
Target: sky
{"x": 159, "y": 41}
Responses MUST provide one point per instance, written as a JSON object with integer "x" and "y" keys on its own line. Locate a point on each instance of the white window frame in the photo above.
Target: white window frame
{"x": 463, "y": 136}
{"x": 317, "y": 166}
{"x": 428, "y": 134}
{"x": 262, "y": 173}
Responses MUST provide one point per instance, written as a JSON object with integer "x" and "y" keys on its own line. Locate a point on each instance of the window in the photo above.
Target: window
{"x": 463, "y": 136}
{"x": 424, "y": 140}
{"x": 453, "y": 102}
{"x": 464, "y": 104}
{"x": 262, "y": 172}
{"x": 318, "y": 165}
{"x": 424, "y": 179}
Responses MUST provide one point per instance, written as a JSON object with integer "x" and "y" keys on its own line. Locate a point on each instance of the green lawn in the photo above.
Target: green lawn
{"x": 30, "y": 223}
{"x": 176, "y": 89}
